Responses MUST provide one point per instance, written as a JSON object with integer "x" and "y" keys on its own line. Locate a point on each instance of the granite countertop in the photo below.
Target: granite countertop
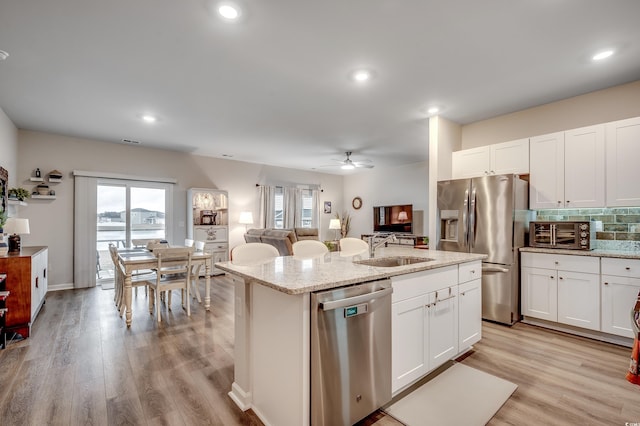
{"x": 623, "y": 254}
{"x": 293, "y": 275}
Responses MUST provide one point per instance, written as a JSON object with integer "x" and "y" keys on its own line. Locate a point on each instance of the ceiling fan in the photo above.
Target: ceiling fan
{"x": 349, "y": 164}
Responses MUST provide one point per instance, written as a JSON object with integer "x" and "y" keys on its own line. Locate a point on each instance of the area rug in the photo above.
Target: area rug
{"x": 460, "y": 395}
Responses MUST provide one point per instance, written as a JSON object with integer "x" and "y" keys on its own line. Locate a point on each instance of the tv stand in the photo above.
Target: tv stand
{"x": 401, "y": 239}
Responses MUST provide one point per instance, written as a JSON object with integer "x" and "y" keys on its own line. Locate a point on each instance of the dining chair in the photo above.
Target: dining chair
{"x": 195, "y": 272}
{"x": 173, "y": 271}
{"x": 253, "y": 253}
{"x": 309, "y": 248}
{"x": 118, "y": 278}
{"x": 152, "y": 245}
{"x": 350, "y": 246}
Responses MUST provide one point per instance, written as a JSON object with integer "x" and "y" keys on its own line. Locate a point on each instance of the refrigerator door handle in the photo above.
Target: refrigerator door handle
{"x": 465, "y": 224}
{"x": 472, "y": 219}
{"x": 493, "y": 269}
{"x": 552, "y": 229}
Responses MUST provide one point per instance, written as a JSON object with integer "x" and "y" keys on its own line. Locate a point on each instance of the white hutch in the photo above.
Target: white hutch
{"x": 208, "y": 221}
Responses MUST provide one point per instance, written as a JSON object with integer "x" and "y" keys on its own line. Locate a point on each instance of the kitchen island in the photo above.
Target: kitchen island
{"x": 273, "y": 319}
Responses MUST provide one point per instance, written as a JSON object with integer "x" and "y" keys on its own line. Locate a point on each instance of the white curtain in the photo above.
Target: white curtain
{"x": 267, "y": 200}
{"x": 84, "y": 235}
{"x": 315, "y": 197}
{"x": 291, "y": 206}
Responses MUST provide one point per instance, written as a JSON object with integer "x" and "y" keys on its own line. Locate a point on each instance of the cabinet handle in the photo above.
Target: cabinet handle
{"x": 462, "y": 294}
{"x": 559, "y": 202}
{"x": 37, "y": 282}
{"x": 568, "y": 201}
{"x": 606, "y": 283}
{"x": 473, "y": 271}
{"x": 552, "y": 277}
{"x": 560, "y": 278}
{"x": 627, "y": 268}
{"x": 556, "y": 262}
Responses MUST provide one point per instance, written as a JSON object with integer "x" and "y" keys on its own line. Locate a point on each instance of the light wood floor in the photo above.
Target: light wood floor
{"x": 82, "y": 366}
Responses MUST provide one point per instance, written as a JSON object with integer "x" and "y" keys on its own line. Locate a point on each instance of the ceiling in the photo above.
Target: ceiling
{"x": 275, "y": 87}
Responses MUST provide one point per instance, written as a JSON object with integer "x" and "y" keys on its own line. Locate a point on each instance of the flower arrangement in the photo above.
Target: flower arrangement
{"x": 345, "y": 223}
{"x": 19, "y": 193}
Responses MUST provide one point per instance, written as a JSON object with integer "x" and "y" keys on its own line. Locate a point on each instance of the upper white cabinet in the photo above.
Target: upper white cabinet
{"x": 567, "y": 169}
{"x": 496, "y": 159}
{"x": 623, "y": 152}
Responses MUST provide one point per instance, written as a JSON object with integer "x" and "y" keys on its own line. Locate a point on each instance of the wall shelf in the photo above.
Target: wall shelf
{"x": 43, "y": 197}
{"x": 36, "y": 179}
{"x": 16, "y": 202}
{"x": 55, "y": 180}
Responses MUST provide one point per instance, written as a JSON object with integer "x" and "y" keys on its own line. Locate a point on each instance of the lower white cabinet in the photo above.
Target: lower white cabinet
{"x": 469, "y": 312}
{"x": 561, "y": 288}
{"x": 410, "y": 345}
{"x": 432, "y": 320}
{"x": 620, "y": 286}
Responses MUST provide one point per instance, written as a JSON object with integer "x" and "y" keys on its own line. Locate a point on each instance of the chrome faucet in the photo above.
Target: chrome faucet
{"x": 373, "y": 246}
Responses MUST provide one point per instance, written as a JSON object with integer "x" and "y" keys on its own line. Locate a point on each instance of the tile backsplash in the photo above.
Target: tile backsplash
{"x": 620, "y": 226}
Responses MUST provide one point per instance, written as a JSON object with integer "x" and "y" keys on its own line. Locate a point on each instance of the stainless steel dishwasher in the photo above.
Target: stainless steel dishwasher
{"x": 350, "y": 352}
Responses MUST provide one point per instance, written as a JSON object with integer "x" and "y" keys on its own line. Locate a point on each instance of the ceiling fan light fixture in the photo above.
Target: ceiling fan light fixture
{"x": 348, "y": 166}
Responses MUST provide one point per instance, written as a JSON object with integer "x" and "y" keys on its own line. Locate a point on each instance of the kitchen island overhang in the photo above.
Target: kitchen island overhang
{"x": 272, "y": 322}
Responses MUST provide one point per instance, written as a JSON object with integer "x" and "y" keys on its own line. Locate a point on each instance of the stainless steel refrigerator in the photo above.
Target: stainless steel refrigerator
{"x": 488, "y": 215}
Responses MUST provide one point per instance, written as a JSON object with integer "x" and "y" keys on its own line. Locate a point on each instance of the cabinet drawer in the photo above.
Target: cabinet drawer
{"x": 621, "y": 267}
{"x": 418, "y": 283}
{"x": 210, "y": 233}
{"x": 469, "y": 271}
{"x": 564, "y": 262}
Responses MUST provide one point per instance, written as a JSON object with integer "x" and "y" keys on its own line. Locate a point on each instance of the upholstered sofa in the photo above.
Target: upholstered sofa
{"x": 282, "y": 239}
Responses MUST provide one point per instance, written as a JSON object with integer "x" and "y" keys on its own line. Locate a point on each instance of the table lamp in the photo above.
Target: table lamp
{"x": 402, "y": 216}
{"x": 335, "y": 224}
{"x": 16, "y": 226}
{"x": 246, "y": 218}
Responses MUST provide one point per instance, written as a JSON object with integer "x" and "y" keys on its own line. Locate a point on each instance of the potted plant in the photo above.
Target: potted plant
{"x": 19, "y": 194}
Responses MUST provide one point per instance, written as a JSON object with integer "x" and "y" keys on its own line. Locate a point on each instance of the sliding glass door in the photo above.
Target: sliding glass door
{"x": 127, "y": 212}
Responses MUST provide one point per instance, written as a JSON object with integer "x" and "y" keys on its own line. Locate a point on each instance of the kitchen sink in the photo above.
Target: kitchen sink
{"x": 389, "y": 262}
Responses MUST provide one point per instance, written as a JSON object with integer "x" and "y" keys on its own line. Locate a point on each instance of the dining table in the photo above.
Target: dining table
{"x": 137, "y": 259}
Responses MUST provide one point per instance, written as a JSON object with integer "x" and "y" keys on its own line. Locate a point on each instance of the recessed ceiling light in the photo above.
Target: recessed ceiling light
{"x": 433, "y": 110}
{"x": 229, "y": 11}
{"x": 602, "y": 55}
{"x": 149, "y": 118}
{"x": 362, "y": 75}
{"x": 3, "y": 55}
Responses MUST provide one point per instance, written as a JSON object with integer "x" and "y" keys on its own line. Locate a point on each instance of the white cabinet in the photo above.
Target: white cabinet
{"x": 435, "y": 315}
{"x": 410, "y": 345}
{"x": 208, "y": 221}
{"x": 469, "y": 305}
{"x": 442, "y": 308}
{"x": 620, "y": 287}
{"x": 561, "y": 288}
{"x": 423, "y": 317}
{"x": 496, "y": 159}
{"x": 567, "y": 169}
{"x": 39, "y": 280}
{"x": 623, "y": 152}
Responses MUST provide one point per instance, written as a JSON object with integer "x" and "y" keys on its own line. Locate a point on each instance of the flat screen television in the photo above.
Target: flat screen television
{"x": 398, "y": 218}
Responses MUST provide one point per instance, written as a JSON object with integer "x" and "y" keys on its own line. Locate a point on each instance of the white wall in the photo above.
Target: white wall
{"x": 51, "y": 221}
{"x": 381, "y": 187}
{"x": 615, "y": 103}
{"x": 8, "y": 147}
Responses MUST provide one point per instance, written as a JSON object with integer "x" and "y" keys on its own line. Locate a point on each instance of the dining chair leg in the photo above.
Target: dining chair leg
{"x": 158, "y": 304}
{"x": 169, "y": 292}
{"x": 151, "y": 301}
{"x": 188, "y": 297}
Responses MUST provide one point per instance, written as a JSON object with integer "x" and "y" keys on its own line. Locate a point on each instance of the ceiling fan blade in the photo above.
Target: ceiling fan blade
{"x": 363, "y": 166}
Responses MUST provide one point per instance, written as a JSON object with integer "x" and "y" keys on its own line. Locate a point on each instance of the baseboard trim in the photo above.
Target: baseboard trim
{"x": 582, "y": 332}
{"x": 240, "y": 397}
{"x": 58, "y": 287}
